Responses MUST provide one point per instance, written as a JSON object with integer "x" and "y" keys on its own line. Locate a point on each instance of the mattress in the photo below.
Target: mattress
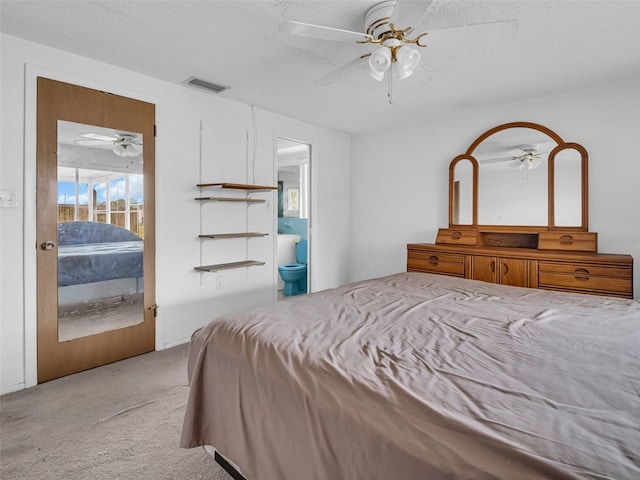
{"x": 420, "y": 376}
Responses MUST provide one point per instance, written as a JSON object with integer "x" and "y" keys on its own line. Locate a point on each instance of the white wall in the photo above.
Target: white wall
{"x": 187, "y": 299}
{"x": 399, "y": 179}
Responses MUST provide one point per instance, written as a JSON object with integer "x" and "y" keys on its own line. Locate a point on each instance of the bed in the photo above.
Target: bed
{"x": 421, "y": 376}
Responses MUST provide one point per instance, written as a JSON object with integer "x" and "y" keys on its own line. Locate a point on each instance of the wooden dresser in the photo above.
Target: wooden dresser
{"x": 528, "y": 229}
{"x": 580, "y": 272}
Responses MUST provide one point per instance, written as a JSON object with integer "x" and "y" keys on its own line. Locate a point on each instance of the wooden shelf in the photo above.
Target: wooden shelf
{"x": 233, "y": 235}
{"x": 248, "y": 189}
{"x": 228, "y": 266}
{"x": 231, "y": 199}
{"x": 237, "y": 186}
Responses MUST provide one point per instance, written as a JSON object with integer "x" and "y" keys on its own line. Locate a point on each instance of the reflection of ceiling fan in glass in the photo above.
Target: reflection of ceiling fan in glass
{"x": 124, "y": 144}
{"x": 388, "y": 28}
{"x": 527, "y": 160}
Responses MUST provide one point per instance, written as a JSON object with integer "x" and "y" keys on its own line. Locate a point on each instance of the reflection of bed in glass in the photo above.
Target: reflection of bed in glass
{"x": 92, "y": 252}
{"x": 100, "y": 266}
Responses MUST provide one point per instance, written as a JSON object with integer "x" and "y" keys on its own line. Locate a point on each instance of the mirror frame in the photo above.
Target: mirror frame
{"x": 474, "y": 194}
{"x": 561, "y": 145}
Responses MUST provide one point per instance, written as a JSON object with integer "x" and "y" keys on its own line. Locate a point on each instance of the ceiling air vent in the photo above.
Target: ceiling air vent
{"x": 203, "y": 84}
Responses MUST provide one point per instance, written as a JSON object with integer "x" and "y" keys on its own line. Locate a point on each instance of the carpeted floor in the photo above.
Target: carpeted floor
{"x": 120, "y": 421}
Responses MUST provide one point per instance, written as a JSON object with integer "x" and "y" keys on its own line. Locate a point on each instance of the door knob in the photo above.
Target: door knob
{"x": 48, "y": 245}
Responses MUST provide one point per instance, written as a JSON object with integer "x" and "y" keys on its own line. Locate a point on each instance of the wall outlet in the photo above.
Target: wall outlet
{"x": 219, "y": 281}
{"x": 8, "y": 198}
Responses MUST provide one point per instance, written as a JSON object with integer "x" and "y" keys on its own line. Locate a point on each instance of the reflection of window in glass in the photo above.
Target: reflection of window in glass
{"x": 293, "y": 195}
{"x": 100, "y": 211}
{"x": 136, "y": 204}
{"x": 118, "y": 201}
{"x": 72, "y": 203}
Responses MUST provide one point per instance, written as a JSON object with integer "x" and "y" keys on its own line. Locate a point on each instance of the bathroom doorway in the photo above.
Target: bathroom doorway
{"x": 293, "y": 215}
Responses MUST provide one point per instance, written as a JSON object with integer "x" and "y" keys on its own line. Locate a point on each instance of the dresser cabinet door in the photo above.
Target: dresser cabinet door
{"x": 512, "y": 271}
{"x": 507, "y": 271}
{"x": 484, "y": 268}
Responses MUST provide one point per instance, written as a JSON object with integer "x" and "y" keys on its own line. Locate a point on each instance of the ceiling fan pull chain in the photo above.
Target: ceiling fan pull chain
{"x": 390, "y": 90}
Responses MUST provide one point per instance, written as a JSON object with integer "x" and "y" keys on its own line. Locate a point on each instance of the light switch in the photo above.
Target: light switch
{"x": 8, "y": 198}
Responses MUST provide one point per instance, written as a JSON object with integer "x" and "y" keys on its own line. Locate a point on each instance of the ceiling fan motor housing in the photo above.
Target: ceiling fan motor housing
{"x": 376, "y": 20}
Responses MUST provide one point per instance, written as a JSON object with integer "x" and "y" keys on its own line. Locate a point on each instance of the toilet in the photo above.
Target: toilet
{"x": 294, "y": 275}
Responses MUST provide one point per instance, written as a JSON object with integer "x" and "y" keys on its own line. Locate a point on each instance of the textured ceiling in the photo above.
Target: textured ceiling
{"x": 558, "y": 46}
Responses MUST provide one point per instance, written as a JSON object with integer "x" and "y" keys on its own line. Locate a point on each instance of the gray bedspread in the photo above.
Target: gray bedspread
{"x": 419, "y": 376}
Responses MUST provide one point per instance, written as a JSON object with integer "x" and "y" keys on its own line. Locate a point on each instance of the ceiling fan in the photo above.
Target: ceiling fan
{"x": 527, "y": 160}
{"x": 124, "y": 143}
{"x": 387, "y": 26}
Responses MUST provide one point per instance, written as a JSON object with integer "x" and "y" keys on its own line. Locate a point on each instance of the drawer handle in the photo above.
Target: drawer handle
{"x": 505, "y": 269}
{"x": 493, "y": 267}
{"x": 434, "y": 260}
{"x": 456, "y": 235}
{"x": 566, "y": 240}
{"x": 582, "y": 274}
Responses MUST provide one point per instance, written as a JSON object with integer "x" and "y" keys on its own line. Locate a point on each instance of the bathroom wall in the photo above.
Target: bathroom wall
{"x": 297, "y": 226}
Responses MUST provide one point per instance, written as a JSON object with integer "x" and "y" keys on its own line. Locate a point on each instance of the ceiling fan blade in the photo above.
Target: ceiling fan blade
{"x": 324, "y": 33}
{"x": 496, "y": 160}
{"x": 99, "y": 136}
{"x": 482, "y": 36}
{"x": 90, "y": 142}
{"x": 408, "y": 13}
{"x": 359, "y": 63}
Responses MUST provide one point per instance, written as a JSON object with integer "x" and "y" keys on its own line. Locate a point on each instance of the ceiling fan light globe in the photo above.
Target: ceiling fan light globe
{"x": 408, "y": 58}
{"x": 379, "y": 76}
{"x": 400, "y": 73}
{"x": 127, "y": 151}
{"x": 380, "y": 60}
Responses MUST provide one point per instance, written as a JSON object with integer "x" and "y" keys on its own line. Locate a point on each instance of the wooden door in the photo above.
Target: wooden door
{"x": 95, "y": 243}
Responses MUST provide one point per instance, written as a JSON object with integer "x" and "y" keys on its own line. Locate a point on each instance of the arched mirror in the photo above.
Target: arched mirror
{"x": 527, "y": 177}
{"x": 463, "y": 182}
{"x": 569, "y": 182}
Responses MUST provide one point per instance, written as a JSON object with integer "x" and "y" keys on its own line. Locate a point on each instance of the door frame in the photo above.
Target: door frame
{"x": 310, "y": 222}
{"x": 101, "y": 79}
{"x": 116, "y": 344}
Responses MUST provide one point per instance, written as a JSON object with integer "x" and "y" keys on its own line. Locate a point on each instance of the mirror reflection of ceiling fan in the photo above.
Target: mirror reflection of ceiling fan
{"x": 123, "y": 144}
{"x": 388, "y": 27}
{"x": 527, "y": 157}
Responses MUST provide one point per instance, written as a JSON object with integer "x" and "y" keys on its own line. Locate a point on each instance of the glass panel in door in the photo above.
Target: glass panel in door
{"x": 100, "y": 224}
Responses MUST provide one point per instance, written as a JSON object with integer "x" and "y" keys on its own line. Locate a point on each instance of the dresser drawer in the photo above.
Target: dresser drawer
{"x": 576, "y": 242}
{"x": 435, "y": 262}
{"x": 586, "y": 277}
{"x": 457, "y": 237}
